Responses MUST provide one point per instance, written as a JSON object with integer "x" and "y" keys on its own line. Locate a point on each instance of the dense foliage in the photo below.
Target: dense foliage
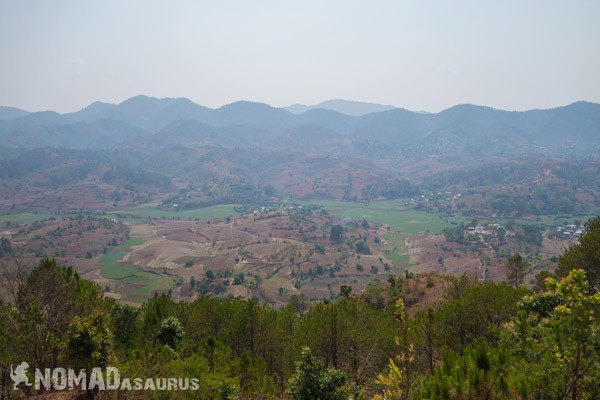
{"x": 585, "y": 255}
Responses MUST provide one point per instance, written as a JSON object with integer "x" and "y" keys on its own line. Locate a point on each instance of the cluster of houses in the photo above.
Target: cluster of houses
{"x": 447, "y": 195}
{"x": 491, "y": 230}
{"x": 571, "y": 230}
{"x": 277, "y": 207}
{"x": 266, "y": 208}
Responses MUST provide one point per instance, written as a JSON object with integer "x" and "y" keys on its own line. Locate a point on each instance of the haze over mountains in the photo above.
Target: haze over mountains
{"x": 355, "y": 108}
{"x": 570, "y": 130}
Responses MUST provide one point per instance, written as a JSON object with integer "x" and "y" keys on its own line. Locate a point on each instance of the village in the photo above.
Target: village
{"x": 571, "y": 230}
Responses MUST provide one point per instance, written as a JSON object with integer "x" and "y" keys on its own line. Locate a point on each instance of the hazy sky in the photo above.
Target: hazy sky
{"x": 421, "y": 55}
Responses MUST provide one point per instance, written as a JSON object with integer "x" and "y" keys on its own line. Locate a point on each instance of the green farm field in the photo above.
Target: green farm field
{"x": 30, "y": 217}
{"x": 402, "y": 220}
{"x": 214, "y": 212}
{"x": 145, "y": 282}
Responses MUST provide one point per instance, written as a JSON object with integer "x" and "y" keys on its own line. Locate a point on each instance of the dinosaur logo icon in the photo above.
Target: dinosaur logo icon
{"x": 19, "y": 375}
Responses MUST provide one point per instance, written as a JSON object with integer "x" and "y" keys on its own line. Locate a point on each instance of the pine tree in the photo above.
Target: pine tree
{"x": 517, "y": 269}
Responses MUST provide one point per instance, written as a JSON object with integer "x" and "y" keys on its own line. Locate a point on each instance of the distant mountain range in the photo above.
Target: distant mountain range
{"x": 147, "y": 121}
{"x": 188, "y": 109}
{"x": 355, "y": 108}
